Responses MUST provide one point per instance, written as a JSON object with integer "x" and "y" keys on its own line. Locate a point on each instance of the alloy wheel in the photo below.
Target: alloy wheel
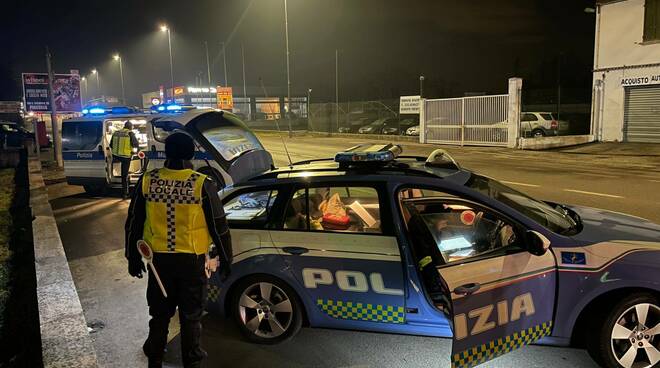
{"x": 265, "y": 310}
{"x": 635, "y": 337}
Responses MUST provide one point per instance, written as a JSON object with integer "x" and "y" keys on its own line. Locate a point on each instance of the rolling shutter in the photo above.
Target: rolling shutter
{"x": 642, "y": 114}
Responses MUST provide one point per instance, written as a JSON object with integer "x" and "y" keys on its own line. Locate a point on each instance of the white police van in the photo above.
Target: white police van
{"x": 229, "y": 152}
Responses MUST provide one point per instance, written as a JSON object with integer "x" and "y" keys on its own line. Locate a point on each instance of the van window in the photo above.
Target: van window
{"x": 81, "y": 135}
{"x": 162, "y": 129}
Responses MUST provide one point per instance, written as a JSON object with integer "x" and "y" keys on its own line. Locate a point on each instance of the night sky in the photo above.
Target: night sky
{"x": 460, "y": 46}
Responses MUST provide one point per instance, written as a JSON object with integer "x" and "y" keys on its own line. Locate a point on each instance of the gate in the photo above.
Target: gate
{"x": 480, "y": 120}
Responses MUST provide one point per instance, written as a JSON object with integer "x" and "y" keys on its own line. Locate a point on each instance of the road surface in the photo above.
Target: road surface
{"x": 115, "y": 306}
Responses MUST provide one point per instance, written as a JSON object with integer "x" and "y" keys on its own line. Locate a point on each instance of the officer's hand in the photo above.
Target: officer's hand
{"x": 136, "y": 267}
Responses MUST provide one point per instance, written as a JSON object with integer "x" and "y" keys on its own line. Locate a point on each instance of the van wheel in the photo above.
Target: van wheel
{"x": 538, "y": 133}
{"x": 266, "y": 310}
{"x": 627, "y": 335}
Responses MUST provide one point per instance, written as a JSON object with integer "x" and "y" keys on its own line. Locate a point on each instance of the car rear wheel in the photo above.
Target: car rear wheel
{"x": 628, "y": 335}
{"x": 538, "y": 133}
{"x": 266, "y": 310}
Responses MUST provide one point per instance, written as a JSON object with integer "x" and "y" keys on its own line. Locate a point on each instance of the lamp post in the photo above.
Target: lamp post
{"x": 309, "y": 115}
{"x": 84, "y": 89}
{"x": 98, "y": 81}
{"x": 165, "y": 28}
{"x": 421, "y": 86}
{"x": 224, "y": 63}
{"x": 288, "y": 69}
{"x": 121, "y": 77}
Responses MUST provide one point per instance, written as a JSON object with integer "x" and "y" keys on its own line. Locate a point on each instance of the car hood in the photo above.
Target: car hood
{"x": 602, "y": 225}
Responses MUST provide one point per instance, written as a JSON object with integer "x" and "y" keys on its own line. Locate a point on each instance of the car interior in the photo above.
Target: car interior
{"x": 338, "y": 209}
{"x": 444, "y": 230}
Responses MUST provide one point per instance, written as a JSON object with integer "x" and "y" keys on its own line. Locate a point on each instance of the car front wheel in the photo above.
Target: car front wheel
{"x": 266, "y": 310}
{"x": 629, "y": 334}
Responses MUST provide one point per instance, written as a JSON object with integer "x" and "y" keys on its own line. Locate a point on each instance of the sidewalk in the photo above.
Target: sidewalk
{"x": 615, "y": 149}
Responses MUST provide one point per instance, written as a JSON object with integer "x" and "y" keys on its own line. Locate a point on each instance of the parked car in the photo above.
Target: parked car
{"x": 377, "y": 126}
{"x": 354, "y": 125}
{"x": 413, "y": 130}
{"x": 12, "y": 135}
{"x": 398, "y": 127}
{"x": 538, "y": 124}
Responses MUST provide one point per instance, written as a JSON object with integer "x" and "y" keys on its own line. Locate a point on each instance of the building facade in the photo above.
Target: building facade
{"x": 626, "y": 95}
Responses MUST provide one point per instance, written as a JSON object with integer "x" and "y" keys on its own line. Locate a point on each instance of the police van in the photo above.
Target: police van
{"x": 229, "y": 151}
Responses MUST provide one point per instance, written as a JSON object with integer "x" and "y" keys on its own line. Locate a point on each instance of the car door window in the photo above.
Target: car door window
{"x": 452, "y": 231}
{"x": 529, "y": 117}
{"x": 250, "y": 210}
{"x": 335, "y": 209}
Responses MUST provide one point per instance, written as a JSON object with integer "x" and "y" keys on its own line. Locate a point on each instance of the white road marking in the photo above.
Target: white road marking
{"x": 521, "y": 184}
{"x": 655, "y": 181}
{"x": 592, "y": 193}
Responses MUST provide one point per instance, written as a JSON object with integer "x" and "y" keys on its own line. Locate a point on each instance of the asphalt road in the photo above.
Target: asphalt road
{"x": 115, "y": 306}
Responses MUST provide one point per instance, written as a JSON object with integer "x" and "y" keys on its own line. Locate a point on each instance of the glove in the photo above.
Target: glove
{"x": 136, "y": 267}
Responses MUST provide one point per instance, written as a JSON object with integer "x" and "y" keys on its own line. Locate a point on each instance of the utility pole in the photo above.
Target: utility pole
{"x": 224, "y": 63}
{"x": 245, "y": 100}
{"x": 288, "y": 69}
{"x": 57, "y": 143}
{"x": 208, "y": 64}
{"x": 559, "y": 85}
{"x": 121, "y": 76}
{"x": 337, "y": 89}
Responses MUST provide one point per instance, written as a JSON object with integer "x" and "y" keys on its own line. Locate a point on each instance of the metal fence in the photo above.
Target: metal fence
{"x": 349, "y": 116}
{"x": 481, "y": 120}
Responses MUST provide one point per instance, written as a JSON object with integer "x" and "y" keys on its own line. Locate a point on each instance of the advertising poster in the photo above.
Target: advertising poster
{"x": 225, "y": 98}
{"x": 66, "y": 88}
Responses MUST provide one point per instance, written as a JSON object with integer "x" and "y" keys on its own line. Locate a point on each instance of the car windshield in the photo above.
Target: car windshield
{"x": 554, "y": 219}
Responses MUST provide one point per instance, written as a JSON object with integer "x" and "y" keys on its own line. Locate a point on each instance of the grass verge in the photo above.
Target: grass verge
{"x": 7, "y": 189}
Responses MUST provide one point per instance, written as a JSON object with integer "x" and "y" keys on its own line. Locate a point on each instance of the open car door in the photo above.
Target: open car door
{"x": 227, "y": 141}
{"x": 501, "y": 296}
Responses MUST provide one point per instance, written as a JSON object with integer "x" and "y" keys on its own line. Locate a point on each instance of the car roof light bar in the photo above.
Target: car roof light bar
{"x": 368, "y": 154}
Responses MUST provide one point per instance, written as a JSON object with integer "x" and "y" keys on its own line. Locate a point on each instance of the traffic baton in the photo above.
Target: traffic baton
{"x": 148, "y": 255}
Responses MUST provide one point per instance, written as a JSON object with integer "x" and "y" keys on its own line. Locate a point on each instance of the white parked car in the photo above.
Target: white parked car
{"x": 538, "y": 124}
{"x": 413, "y": 130}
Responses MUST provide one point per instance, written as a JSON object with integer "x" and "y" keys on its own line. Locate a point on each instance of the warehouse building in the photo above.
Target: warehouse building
{"x": 626, "y": 96}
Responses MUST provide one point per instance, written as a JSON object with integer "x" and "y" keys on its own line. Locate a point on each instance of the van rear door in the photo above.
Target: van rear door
{"x": 82, "y": 152}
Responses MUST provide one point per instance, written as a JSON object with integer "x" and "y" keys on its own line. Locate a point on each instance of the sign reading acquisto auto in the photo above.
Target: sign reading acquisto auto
{"x": 640, "y": 81}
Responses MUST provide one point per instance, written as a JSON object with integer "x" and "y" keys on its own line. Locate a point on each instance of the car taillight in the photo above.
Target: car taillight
{"x": 554, "y": 124}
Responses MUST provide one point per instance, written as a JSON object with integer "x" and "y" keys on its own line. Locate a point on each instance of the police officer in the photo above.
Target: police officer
{"x": 178, "y": 213}
{"x": 122, "y": 144}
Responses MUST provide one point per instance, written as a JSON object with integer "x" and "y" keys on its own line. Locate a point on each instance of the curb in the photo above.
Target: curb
{"x": 65, "y": 339}
{"x": 380, "y": 137}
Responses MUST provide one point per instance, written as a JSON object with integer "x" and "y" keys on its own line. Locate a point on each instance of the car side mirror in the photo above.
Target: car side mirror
{"x": 537, "y": 243}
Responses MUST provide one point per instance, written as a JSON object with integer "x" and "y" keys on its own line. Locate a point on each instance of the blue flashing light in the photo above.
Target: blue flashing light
{"x": 174, "y": 108}
{"x": 97, "y": 110}
{"x": 369, "y": 153}
{"x": 85, "y": 111}
{"x": 161, "y": 108}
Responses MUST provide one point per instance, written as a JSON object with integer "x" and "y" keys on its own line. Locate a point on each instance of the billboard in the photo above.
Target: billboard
{"x": 66, "y": 88}
{"x": 409, "y": 105}
{"x": 225, "y": 98}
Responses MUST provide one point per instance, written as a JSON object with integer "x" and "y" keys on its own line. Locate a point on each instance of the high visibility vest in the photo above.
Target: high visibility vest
{"x": 121, "y": 143}
{"x": 175, "y": 220}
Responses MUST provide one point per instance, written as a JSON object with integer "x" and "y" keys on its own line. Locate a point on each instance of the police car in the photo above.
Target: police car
{"x": 373, "y": 240}
{"x": 227, "y": 148}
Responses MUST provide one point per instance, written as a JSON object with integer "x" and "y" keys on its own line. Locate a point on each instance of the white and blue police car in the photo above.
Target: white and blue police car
{"x": 228, "y": 150}
{"x": 373, "y": 240}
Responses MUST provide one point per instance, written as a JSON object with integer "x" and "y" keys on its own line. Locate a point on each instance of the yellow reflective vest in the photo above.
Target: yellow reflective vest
{"x": 175, "y": 221}
{"x": 121, "y": 143}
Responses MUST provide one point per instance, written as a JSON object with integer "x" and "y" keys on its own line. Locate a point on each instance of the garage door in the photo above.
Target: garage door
{"x": 642, "y": 114}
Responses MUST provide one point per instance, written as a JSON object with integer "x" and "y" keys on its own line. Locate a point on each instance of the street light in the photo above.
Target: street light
{"x": 98, "y": 81}
{"x": 165, "y": 28}
{"x": 121, "y": 77}
{"x": 85, "y": 90}
{"x": 421, "y": 86}
{"x": 309, "y": 97}
{"x": 288, "y": 70}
